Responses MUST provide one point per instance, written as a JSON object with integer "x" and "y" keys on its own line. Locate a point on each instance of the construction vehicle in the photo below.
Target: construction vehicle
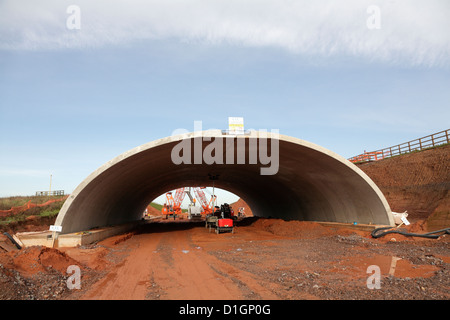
{"x": 172, "y": 207}
{"x": 211, "y": 219}
{"x": 222, "y": 219}
{"x": 226, "y": 211}
{"x": 206, "y": 206}
{"x": 226, "y": 219}
{"x": 225, "y": 225}
{"x": 194, "y": 212}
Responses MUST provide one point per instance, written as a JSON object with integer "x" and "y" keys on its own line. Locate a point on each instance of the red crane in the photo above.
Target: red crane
{"x": 200, "y": 195}
{"x": 173, "y": 205}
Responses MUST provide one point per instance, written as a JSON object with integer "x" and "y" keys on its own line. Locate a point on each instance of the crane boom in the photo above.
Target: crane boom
{"x": 187, "y": 191}
{"x": 173, "y": 205}
{"x": 179, "y": 196}
{"x": 200, "y": 195}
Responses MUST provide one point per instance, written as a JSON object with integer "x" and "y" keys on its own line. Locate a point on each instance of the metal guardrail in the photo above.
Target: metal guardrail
{"x": 433, "y": 140}
{"x": 50, "y": 193}
{"x": 236, "y": 132}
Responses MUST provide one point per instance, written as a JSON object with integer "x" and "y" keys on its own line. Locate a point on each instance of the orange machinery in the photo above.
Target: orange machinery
{"x": 207, "y": 206}
{"x": 172, "y": 207}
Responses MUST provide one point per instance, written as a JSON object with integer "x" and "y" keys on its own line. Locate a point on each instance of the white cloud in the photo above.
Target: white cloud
{"x": 412, "y": 32}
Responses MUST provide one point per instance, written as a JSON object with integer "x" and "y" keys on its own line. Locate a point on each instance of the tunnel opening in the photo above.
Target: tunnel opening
{"x": 310, "y": 183}
{"x": 195, "y": 202}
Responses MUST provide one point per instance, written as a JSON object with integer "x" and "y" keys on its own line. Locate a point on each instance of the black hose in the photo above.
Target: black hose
{"x": 376, "y": 233}
{"x": 12, "y": 240}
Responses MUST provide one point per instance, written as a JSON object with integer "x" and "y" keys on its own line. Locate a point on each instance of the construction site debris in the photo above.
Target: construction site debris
{"x": 380, "y": 232}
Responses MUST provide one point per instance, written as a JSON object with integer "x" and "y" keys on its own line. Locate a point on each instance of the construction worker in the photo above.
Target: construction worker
{"x": 164, "y": 210}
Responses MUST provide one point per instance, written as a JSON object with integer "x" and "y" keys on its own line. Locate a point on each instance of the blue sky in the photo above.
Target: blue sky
{"x": 135, "y": 71}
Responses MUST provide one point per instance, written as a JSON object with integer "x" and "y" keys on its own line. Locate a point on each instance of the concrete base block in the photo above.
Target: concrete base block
{"x": 361, "y": 227}
{"x": 45, "y": 238}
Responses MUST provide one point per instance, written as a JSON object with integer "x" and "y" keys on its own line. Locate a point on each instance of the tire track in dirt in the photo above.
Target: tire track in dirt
{"x": 194, "y": 274}
{"x": 181, "y": 272}
{"x": 128, "y": 279}
{"x": 168, "y": 265}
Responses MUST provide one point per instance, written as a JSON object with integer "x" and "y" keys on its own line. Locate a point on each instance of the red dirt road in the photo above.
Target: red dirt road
{"x": 264, "y": 259}
{"x": 175, "y": 265}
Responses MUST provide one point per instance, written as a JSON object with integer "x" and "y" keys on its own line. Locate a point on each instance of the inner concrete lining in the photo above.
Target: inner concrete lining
{"x": 311, "y": 183}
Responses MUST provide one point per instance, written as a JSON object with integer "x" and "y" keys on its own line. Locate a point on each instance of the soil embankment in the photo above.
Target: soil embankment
{"x": 418, "y": 183}
{"x": 242, "y": 204}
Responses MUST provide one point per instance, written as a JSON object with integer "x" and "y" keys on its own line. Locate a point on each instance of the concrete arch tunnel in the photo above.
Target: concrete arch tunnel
{"x": 306, "y": 182}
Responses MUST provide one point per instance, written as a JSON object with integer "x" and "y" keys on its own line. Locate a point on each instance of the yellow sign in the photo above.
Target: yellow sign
{"x": 235, "y": 125}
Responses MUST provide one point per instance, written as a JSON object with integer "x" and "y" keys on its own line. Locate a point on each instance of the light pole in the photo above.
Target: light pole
{"x": 213, "y": 178}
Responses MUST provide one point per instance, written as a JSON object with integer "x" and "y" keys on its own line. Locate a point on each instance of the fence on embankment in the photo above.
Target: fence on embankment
{"x": 433, "y": 140}
{"x": 20, "y": 209}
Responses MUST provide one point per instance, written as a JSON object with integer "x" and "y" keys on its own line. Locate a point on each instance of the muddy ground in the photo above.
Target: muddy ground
{"x": 264, "y": 259}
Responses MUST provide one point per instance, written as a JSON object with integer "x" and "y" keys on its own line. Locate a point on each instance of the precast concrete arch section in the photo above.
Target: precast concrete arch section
{"x": 277, "y": 175}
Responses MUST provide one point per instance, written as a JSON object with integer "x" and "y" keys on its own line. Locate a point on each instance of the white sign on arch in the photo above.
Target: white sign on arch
{"x": 235, "y": 125}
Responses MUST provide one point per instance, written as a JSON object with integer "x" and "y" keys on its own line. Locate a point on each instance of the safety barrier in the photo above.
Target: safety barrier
{"x": 49, "y": 193}
{"x": 27, "y": 206}
{"x": 433, "y": 140}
